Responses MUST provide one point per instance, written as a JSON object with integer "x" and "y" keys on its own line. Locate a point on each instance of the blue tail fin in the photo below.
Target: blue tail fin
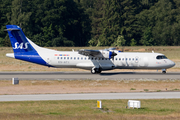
{"x": 23, "y": 48}
{"x": 18, "y": 40}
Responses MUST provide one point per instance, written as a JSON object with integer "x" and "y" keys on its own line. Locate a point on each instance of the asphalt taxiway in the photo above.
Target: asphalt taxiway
{"x": 88, "y": 75}
{"x": 91, "y": 96}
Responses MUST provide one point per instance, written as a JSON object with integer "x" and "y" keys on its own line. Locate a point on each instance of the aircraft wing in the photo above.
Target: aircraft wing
{"x": 89, "y": 52}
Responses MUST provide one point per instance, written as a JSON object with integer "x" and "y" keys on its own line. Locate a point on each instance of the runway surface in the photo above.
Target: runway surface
{"x": 91, "y": 96}
{"x": 88, "y": 75}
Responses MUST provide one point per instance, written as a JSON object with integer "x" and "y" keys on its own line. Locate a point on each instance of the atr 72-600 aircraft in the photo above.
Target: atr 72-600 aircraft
{"x": 94, "y": 60}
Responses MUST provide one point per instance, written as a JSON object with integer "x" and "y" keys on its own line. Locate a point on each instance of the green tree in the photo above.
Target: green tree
{"x": 4, "y": 9}
{"x": 129, "y": 27}
{"x": 92, "y": 42}
{"x": 61, "y": 41}
{"x": 93, "y": 22}
{"x": 48, "y": 35}
{"x": 133, "y": 42}
{"x": 111, "y": 22}
{"x": 163, "y": 22}
{"x": 19, "y": 16}
{"x": 96, "y": 18}
{"x": 120, "y": 41}
{"x": 147, "y": 38}
{"x": 38, "y": 39}
{"x": 114, "y": 17}
{"x": 148, "y": 3}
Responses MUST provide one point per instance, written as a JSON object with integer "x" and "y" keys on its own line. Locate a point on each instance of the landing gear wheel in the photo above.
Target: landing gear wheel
{"x": 164, "y": 72}
{"x": 93, "y": 71}
{"x": 99, "y": 70}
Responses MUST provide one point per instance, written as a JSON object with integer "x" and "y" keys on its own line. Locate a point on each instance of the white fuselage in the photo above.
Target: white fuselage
{"x": 123, "y": 60}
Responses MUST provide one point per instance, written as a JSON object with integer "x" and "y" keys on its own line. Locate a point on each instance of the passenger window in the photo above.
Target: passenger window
{"x": 57, "y": 57}
{"x": 95, "y": 58}
{"x": 74, "y": 58}
{"x": 68, "y": 58}
{"x": 129, "y": 58}
{"x": 61, "y": 57}
{"x": 64, "y": 57}
{"x": 82, "y": 58}
{"x": 102, "y": 58}
{"x": 133, "y": 59}
{"x": 123, "y": 59}
{"x": 88, "y": 58}
{"x": 78, "y": 58}
{"x": 71, "y": 57}
{"x": 116, "y": 58}
{"x": 99, "y": 58}
{"x": 119, "y": 58}
{"x": 126, "y": 58}
{"x": 92, "y": 58}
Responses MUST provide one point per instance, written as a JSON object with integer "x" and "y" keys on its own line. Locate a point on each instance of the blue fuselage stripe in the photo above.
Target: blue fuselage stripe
{"x": 31, "y": 57}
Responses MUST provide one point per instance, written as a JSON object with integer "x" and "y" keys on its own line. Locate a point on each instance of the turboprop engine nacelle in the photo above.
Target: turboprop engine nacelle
{"x": 106, "y": 54}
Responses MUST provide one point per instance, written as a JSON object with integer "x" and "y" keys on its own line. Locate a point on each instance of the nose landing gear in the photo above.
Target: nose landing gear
{"x": 95, "y": 70}
{"x": 164, "y": 71}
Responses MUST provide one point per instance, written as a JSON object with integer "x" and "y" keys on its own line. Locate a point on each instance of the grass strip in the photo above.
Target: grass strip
{"x": 86, "y": 109}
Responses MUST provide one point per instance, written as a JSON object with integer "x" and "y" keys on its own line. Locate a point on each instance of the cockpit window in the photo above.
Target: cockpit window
{"x": 161, "y": 57}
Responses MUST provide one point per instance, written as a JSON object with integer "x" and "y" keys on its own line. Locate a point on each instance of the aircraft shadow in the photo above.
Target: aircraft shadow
{"x": 137, "y": 73}
{"x": 116, "y": 73}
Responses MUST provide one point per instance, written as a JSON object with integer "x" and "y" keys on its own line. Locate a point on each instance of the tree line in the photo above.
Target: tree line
{"x": 93, "y": 22}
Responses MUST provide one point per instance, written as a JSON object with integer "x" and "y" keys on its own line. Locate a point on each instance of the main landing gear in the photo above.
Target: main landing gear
{"x": 164, "y": 71}
{"x": 95, "y": 70}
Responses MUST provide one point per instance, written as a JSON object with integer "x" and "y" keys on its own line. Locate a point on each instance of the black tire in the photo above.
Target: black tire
{"x": 164, "y": 72}
{"x": 99, "y": 70}
{"x": 96, "y": 70}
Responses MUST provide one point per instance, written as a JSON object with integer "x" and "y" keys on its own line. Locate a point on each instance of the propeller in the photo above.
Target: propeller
{"x": 112, "y": 54}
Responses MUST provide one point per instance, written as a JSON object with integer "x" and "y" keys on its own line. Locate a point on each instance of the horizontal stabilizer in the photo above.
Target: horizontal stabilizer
{"x": 12, "y": 29}
{"x": 11, "y": 55}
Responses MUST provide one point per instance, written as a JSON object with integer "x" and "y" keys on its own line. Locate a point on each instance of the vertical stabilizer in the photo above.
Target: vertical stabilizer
{"x": 18, "y": 40}
{"x": 24, "y": 49}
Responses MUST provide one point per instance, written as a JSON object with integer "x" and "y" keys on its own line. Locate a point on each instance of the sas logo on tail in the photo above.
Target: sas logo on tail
{"x": 21, "y": 46}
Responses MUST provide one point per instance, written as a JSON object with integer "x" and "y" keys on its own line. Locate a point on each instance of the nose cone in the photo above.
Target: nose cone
{"x": 172, "y": 64}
